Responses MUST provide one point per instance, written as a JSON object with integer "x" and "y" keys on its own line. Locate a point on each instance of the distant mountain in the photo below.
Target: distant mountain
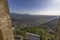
{"x": 25, "y": 20}
{"x": 30, "y": 17}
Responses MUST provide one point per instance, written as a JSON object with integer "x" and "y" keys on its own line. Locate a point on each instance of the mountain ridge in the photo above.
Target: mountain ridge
{"x": 26, "y": 20}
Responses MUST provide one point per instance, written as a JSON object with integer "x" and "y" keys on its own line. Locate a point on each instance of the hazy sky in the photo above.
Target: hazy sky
{"x": 35, "y": 7}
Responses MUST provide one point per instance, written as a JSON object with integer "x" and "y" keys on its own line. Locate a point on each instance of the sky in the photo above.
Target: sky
{"x": 35, "y": 7}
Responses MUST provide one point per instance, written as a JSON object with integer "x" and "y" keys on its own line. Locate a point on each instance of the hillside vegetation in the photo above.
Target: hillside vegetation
{"x": 39, "y": 31}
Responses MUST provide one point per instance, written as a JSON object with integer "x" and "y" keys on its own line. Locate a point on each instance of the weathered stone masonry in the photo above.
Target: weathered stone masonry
{"x": 6, "y": 32}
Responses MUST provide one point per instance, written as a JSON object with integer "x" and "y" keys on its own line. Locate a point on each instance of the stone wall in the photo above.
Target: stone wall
{"x": 5, "y": 22}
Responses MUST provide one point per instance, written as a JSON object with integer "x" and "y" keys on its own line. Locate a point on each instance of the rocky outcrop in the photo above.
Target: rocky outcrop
{"x": 6, "y": 32}
{"x": 57, "y": 33}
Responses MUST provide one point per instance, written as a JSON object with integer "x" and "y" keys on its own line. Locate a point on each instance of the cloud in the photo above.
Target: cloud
{"x": 56, "y": 1}
{"x": 54, "y": 9}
